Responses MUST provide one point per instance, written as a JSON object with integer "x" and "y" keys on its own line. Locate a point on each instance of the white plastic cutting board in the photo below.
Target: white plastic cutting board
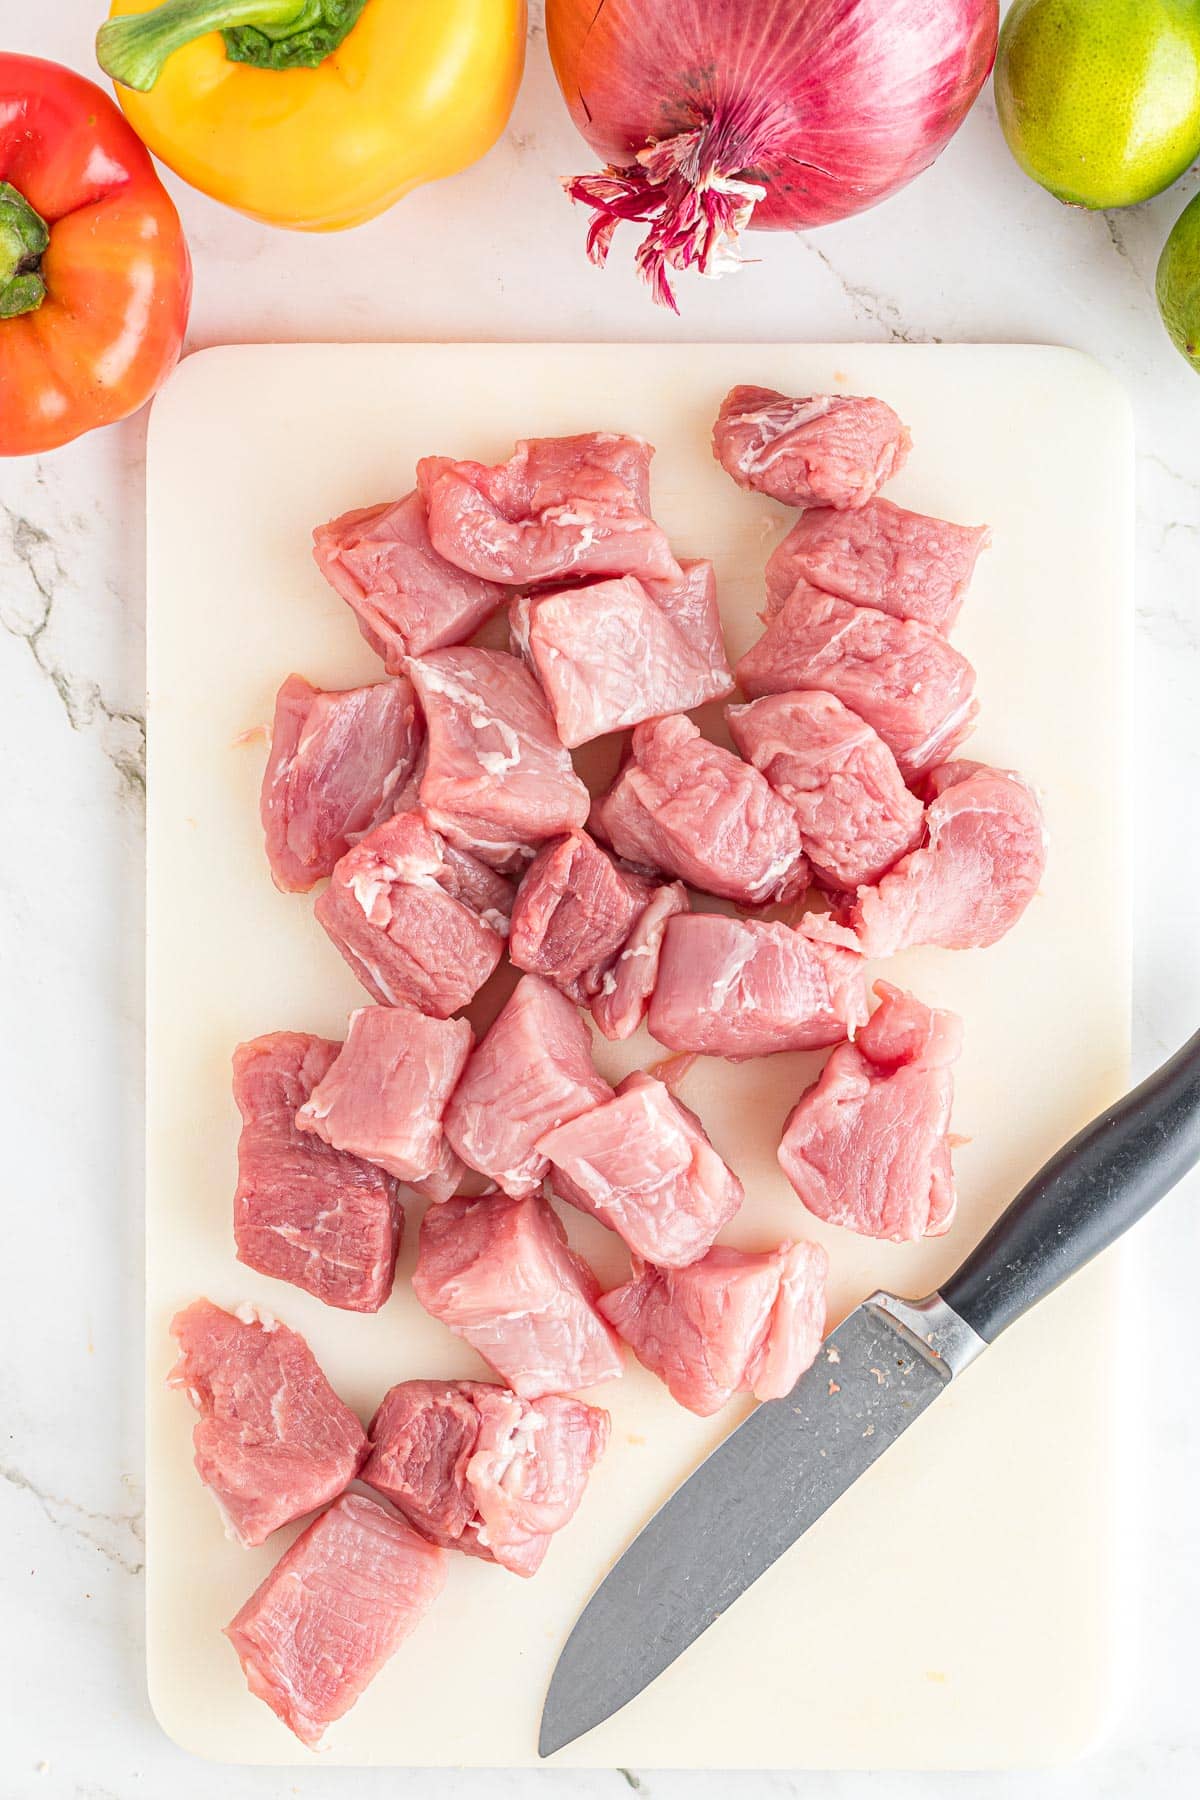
{"x": 955, "y": 1609}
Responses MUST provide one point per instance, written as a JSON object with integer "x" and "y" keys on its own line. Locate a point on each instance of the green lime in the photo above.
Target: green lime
{"x": 1100, "y": 99}
{"x": 1177, "y": 283}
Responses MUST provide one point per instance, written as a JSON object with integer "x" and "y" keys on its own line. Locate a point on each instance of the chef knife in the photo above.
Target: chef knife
{"x": 890, "y": 1358}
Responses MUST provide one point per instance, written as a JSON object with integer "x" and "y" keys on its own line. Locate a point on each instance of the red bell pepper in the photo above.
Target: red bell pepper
{"x": 95, "y": 277}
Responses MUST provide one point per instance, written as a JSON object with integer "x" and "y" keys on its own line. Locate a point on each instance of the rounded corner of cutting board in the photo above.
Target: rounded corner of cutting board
{"x": 179, "y": 1723}
{"x": 1086, "y": 379}
{"x": 189, "y": 391}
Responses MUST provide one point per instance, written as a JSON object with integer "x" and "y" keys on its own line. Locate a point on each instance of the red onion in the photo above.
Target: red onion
{"x": 714, "y": 115}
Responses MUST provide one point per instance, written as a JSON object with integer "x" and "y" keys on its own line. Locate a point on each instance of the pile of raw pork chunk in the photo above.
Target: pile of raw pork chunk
{"x": 442, "y": 806}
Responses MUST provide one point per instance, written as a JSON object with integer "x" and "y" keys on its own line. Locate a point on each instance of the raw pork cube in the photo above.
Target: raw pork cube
{"x": 304, "y": 1212}
{"x": 904, "y": 563}
{"x": 691, "y": 809}
{"x": 273, "y": 1441}
{"x": 532, "y": 1070}
{"x": 407, "y": 599}
{"x": 417, "y": 921}
{"x": 822, "y": 450}
{"x": 549, "y": 470}
{"x": 559, "y": 507}
{"x": 336, "y": 1605}
{"x": 731, "y": 1323}
{"x": 386, "y": 1093}
{"x": 498, "y": 1272}
{"x": 475, "y": 1468}
{"x": 980, "y": 866}
{"x": 691, "y": 605}
{"x": 497, "y": 781}
{"x": 743, "y": 987}
{"x": 339, "y": 763}
{"x": 642, "y": 1164}
{"x": 856, "y": 816}
{"x": 422, "y": 1437}
{"x": 609, "y": 656}
{"x": 574, "y": 910}
{"x": 901, "y": 677}
{"x": 868, "y": 1146}
{"x": 624, "y": 996}
{"x": 546, "y": 471}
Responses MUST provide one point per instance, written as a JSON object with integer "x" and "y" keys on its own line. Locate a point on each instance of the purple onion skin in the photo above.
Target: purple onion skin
{"x": 829, "y": 106}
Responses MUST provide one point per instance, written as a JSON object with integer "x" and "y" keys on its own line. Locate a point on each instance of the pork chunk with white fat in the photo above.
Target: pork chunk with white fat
{"x": 691, "y": 605}
{"x": 855, "y": 815}
{"x": 629, "y": 982}
{"x": 339, "y": 763}
{"x": 333, "y": 1610}
{"x": 904, "y": 679}
{"x": 968, "y": 883}
{"x": 734, "y": 1322}
{"x": 594, "y": 929}
{"x": 419, "y": 922}
{"x": 574, "y": 909}
{"x": 746, "y": 987}
{"x": 820, "y": 450}
{"x": 497, "y": 781}
{"x": 904, "y": 563}
{"x": 499, "y": 1273}
{"x": 273, "y": 1441}
{"x": 559, "y": 508}
{"x": 643, "y": 1165}
{"x": 531, "y": 1071}
{"x": 868, "y": 1145}
{"x": 304, "y": 1212}
{"x": 610, "y": 655}
{"x": 475, "y": 1468}
{"x": 406, "y": 598}
{"x": 385, "y": 1095}
{"x": 691, "y": 809}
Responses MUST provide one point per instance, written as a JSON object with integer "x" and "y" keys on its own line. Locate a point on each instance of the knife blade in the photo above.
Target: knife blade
{"x": 883, "y": 1366}
{"x": 746, "y": 1504}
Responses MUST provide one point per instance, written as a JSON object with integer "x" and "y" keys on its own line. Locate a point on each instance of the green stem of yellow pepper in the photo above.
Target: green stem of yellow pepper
{"x": 23, "y": 238}
{"x": 272, "y": 34}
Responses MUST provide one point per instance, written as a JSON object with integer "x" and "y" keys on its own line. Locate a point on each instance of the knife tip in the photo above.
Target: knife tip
{"x": 553, "y": 1737}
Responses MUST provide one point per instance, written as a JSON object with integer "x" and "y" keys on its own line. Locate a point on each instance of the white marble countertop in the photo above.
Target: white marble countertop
{"x": 971, "y": 251}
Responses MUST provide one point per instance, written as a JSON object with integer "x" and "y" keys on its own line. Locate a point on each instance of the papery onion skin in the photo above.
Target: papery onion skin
{"x": 828, "y": 106}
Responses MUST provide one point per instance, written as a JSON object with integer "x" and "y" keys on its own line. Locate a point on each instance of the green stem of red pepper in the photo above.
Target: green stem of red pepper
{"x": 271, "y": 34}
{"x": 23, "y": 238}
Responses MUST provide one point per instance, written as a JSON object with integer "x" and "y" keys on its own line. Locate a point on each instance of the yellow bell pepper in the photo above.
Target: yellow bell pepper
{"x": 316, "y": 114}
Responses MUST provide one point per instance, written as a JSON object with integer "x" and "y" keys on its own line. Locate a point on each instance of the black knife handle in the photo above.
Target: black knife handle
{"x": 1087, "y": 1195}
